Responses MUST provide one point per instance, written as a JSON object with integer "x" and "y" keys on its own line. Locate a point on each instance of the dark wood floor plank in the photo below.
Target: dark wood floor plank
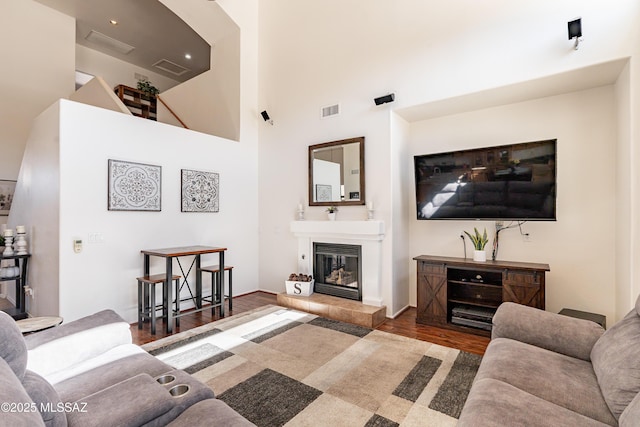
{"x": 405, "y": 325}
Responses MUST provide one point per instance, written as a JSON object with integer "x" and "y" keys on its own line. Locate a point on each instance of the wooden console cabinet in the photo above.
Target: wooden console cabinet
{"x": 448, "y": 286}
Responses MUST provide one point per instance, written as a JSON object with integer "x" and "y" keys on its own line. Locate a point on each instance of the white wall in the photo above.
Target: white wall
{"x": 318, "y": 54}
{"x": 103, "y": 274}
{"x": 580, "y": 247}
{"x": 38, "y": 45}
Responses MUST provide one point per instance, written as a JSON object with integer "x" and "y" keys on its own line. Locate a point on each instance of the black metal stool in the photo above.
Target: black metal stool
{"x": 216, "y": 299}
{"x": 147, "y": 306}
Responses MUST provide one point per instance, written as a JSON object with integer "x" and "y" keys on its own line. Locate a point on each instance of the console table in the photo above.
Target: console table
{"x": 20, "y": 280}
{"x": 463, "y": 294}
{"x": 169, "y": 254}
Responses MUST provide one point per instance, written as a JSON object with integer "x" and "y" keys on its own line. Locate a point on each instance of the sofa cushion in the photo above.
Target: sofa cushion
{"x": 220, "y": 414}
{"x": 108, "y": 374}
{"x": 46, "y": 399}
{"x": 563, "y": 380}
{"x": 492, "y": 403}
{"x": 18, "y": 409}
{"x": 13, "y": 349}
{"x": 616, "y": 363}
{"x": 631, "y": 414}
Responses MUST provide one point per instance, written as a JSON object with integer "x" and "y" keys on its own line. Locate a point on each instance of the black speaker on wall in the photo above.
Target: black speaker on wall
{"x": 384, "y": 99}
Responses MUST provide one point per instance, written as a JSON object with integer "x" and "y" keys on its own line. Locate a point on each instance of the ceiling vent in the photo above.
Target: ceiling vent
{"x": 330, "y": 111}
{"x": 108, "y": 42}
{"x": 170, "y": 67}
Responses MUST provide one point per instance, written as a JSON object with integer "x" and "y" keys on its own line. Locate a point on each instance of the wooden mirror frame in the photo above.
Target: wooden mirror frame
{"x": 361, "y": 201}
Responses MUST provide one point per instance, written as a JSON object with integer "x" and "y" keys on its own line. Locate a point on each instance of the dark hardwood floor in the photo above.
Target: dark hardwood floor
{"x": 404, "y": 324}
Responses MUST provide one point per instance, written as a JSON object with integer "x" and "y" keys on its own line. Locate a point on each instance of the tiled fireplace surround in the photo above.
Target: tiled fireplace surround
{"x": 369, "y": 235}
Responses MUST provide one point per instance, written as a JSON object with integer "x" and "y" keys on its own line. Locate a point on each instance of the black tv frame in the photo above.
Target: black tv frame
{"x": 512, "y": 182}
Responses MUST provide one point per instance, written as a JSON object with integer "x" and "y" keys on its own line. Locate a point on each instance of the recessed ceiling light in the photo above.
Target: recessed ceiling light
{"x": 113, "y": 22}
{"x": 187, "y": 56}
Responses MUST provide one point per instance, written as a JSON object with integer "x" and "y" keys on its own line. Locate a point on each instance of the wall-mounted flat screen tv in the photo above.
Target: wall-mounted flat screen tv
{"x": 507, "y": 182}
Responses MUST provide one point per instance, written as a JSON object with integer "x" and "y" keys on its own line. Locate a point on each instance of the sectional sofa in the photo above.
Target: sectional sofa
{"x": 88, "y": 373}
{"x": 545, "y": 369}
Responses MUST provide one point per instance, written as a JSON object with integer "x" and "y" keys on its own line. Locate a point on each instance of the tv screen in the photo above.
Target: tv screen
{"x": 507, "y": 182}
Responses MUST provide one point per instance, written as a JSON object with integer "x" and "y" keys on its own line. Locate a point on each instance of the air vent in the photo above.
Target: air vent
{"x": 108, "y": 42}
{"x": 330, "y": 111}
{"x": 170, "y": 67}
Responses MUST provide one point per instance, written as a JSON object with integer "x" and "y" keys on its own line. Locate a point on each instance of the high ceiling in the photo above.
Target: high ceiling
{"x": 147, "y": 34}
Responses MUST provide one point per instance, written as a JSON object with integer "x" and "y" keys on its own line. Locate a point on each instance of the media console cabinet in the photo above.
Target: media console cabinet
{"x": 463, "y": 294}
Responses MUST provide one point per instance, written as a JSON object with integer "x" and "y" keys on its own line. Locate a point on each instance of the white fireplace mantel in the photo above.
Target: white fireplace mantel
{"x": 367, "y": 234}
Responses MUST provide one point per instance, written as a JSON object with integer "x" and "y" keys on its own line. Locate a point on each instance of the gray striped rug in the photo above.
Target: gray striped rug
{"x": 279, "y": 367}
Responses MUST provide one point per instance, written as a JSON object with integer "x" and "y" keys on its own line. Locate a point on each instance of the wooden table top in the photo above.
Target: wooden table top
{"x": 33, "y": 324}
{"x": 183, "y": 251}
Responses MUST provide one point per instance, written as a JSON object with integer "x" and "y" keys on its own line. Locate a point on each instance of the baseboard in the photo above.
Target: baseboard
{"x": 399, "y": 312}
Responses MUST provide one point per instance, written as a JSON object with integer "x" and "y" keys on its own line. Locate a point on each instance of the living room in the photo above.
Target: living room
{"x": 439, "y": 106}
{"x": 465, "y": 76}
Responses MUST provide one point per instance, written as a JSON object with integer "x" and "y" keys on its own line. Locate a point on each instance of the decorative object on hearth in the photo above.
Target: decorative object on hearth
{"x": 200, "y": 191}
{"x": 479, "y": 242}
{"x": 299, "y": 284}
{"x": 134, "y": 186}
{"x": 331, "y": 212}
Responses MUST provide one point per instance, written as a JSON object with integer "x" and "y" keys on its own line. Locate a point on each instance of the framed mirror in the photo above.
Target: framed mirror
{"x": 336, "y": 173}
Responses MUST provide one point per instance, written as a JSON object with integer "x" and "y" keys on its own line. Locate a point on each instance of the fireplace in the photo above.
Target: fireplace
{"x": 337, "y": 270}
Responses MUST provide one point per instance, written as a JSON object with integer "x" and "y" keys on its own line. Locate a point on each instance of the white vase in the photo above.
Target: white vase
{"x": 480, "y": 256}
{"x": 332, "y": 216}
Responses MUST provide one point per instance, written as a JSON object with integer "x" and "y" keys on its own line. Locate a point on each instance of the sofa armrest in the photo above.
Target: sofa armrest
{"x": 555, "y": 332}
{"x": 58, "y": 348}
{"x": 133, "y": 402}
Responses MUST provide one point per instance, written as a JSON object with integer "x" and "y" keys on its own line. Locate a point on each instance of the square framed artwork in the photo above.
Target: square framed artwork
{"x": 7, "y": 189}
{"x": 134, "y": 186}
{"x": 200, "y": 191}
{"x": 323, "y": 193}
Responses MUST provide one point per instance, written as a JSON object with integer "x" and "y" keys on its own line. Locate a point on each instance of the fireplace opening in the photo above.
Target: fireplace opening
{"x": 337, "y": 270}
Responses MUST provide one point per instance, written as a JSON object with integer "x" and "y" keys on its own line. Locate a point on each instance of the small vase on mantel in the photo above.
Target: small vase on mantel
{"x": 331, "y": 213}
{"x": 479, "y": 256}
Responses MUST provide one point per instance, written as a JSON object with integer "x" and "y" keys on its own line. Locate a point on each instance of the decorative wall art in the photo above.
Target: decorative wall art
{"x": 323, "y": 193}
{"x": 200, "y": 191}
{"x": 134, "y": 186}
{"x": 7, "y": 188}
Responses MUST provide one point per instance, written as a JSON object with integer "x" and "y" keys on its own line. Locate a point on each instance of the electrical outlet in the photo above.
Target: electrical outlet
{"x": 28, "y": 290}
{"x": 77, "y": 245}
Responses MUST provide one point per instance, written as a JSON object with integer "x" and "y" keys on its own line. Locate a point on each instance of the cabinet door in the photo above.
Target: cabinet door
{"x": 524, "y": 287}
{"x": 432, "y": 293}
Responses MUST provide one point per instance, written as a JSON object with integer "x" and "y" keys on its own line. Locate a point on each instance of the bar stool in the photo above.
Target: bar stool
{"x": 147, "y": 295}
{"x": 216, "y": 301}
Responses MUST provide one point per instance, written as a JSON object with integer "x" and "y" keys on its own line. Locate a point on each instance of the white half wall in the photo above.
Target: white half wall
{"x": 103, "y": 274}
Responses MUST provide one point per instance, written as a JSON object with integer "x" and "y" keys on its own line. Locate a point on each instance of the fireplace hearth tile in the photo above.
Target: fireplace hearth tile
{"x": 335, "y": 308}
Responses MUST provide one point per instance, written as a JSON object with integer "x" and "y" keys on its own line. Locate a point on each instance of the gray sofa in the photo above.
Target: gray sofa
{"x": 88, "y": 373}
{"x": 545, "y": 369}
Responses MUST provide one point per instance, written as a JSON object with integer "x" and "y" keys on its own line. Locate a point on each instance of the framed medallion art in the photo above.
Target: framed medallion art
{"x": 200, "y": 191}
{"x": 134, "y": 186}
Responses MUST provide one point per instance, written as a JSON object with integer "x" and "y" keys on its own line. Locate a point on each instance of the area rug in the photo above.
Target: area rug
{"x": 282, "y": 367}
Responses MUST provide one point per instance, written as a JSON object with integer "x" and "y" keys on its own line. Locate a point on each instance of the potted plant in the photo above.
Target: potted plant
{"x": 147, "y": 87}
{"x": 331, "y": 212}
{"x": 479, "y": 242}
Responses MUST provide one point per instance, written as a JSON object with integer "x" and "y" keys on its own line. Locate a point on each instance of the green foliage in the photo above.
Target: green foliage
{"x": 479, "y": 241}
{"x": 332, "y": 209}
{"x": 146, "y": 86}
